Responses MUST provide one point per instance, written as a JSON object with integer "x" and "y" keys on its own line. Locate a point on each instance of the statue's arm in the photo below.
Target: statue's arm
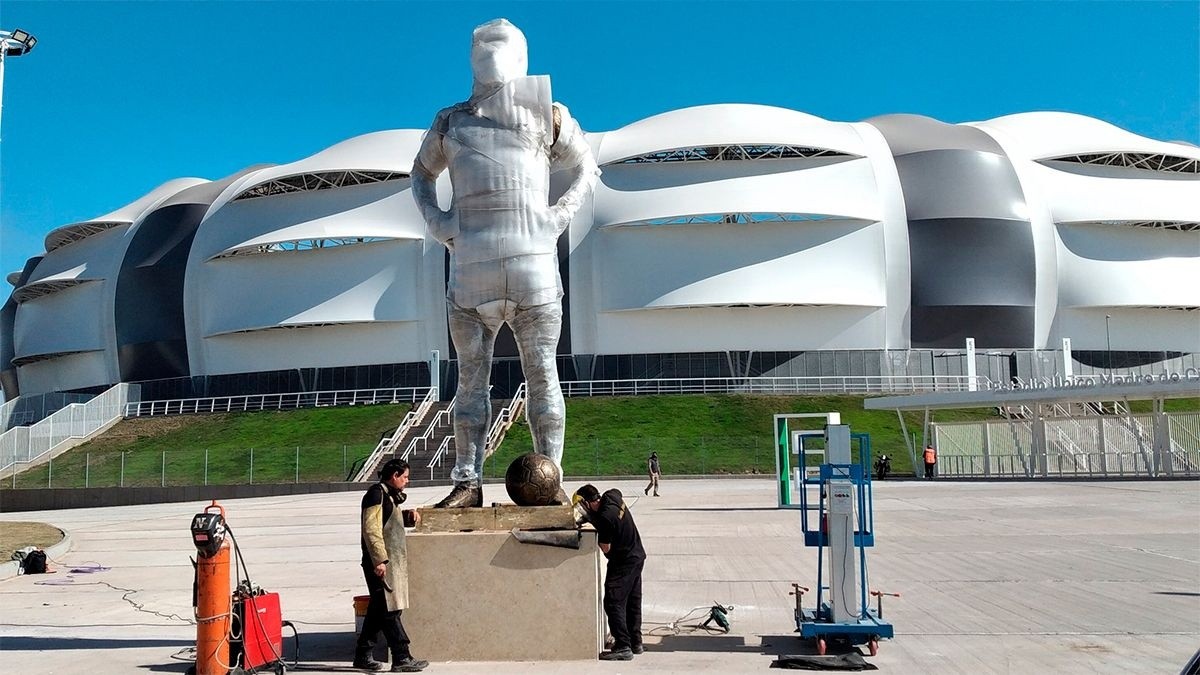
{"x": 570, "y": 153}
{"x": 428, "y": 164}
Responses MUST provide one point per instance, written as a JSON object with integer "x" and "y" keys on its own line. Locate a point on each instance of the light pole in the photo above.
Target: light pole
{"x": 13, "y": 43}
{"x": 1108, "y": 340}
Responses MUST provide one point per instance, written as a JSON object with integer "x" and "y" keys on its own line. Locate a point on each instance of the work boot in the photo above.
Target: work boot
{"x": 408, "y": 665}
{"x": 647, "y": 491}
{"x": 624, "y": 654}
{"x": 365, "y": 662}
{"x": 638, "y": 648}
{"x": 461, "y": 497}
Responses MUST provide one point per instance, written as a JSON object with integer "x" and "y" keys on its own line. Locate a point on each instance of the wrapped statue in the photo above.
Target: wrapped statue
{"x": 500, "y": 147}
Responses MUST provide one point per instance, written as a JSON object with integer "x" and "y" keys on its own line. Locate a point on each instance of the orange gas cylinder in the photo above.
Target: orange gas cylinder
{"x": 214, "y": 602}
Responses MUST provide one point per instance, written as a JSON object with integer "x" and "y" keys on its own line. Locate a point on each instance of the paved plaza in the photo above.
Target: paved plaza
{"x": 1021, "y": 577}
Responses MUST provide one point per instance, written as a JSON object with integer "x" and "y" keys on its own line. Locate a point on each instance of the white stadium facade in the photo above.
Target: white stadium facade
{"x": 721, "y": 241}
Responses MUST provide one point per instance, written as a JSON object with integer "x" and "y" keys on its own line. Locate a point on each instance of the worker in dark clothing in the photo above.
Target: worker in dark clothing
{"x": 620, "y": 542}
{"x": 385, "y": 566}
{"x": 655, "y": 473}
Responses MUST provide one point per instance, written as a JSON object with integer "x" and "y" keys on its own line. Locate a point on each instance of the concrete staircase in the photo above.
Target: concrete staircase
{"x": 436, "y": 463}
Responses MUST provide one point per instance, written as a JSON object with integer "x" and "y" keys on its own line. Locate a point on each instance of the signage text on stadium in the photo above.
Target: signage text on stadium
{"x": 1103, "y": 380}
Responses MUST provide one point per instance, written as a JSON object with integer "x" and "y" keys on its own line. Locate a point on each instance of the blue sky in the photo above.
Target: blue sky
{"x": 120, "y": 97}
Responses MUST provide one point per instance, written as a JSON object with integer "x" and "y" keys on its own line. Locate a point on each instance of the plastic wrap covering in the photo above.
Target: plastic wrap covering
{"x": 500, "y": 147}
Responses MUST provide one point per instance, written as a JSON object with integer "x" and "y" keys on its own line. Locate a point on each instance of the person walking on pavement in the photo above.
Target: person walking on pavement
{"x": 655, "y": 473}
{"x": 385, "y": 567}
{"x": 930, "y": 461}
{"x": 621, "y": 543}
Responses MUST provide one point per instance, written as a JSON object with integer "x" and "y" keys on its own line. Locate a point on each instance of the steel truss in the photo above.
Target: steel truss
{"x": 1135, "y": 160}
{"x": 719, "y": 153}
{"x": 738, "y": 218}
{"x": 79, "y": 231}
{"x": 297, "y": 326}
{"x": 300, "y": 245}
{"x": 39, "y": 288}
{"x": 326, "y": 180}
{"x": 35, "y": 358}
{"x": 1177, "y": 225}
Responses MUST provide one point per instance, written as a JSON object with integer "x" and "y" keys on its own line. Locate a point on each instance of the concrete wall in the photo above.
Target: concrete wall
{"x": 48, "y": 499}
{"x": 484, "y": 596}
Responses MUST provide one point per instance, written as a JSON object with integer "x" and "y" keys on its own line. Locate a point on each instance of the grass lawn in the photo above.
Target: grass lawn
{"x": 607, "y": 436}
{"x": 19, "y": 534}
{"x": 307, "y": 445}
{"x": 713, "y": 434}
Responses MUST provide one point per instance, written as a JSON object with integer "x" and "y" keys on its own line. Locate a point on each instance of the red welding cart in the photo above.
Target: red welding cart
{"x": 258, "y": 627}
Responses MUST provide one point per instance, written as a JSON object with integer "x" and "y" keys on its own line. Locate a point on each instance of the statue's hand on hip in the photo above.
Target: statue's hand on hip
{"x": 444, "y": 226}
{"x": 558, "y": 220}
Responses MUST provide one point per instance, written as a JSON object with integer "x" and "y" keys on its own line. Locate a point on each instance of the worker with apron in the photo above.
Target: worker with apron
{"x": 385, "y": 567}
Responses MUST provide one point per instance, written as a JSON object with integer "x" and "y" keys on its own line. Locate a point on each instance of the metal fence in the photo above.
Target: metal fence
{"x": 715, "y": 385}
{"x": 155, "y": 468}
{"x": 848, "y": 384}
{"x": 289, "y": 401}
{"x": 750, "y": 455}
{"x": 77, "y": 420}
{"x": 1147, "y": 444}
{"x": 680, "y": 456}
{"x": 31, "y": 408}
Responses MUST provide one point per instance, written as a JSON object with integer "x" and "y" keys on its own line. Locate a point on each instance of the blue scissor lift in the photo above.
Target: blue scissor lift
{"x": 838, "y": 519}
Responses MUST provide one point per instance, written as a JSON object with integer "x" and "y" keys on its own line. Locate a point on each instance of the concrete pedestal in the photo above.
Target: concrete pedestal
{"x": 484, "y": 596}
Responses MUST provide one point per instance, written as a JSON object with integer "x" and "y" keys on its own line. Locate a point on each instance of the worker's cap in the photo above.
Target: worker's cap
{"x": 587, "y": 493}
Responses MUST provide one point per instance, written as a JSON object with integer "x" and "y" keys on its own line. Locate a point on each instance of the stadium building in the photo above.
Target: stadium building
{"x": 722, "y": 241}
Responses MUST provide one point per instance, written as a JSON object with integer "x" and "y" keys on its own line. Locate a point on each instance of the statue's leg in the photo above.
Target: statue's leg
{"x": 537, "y": 330}
{"x": 474, "y": 339}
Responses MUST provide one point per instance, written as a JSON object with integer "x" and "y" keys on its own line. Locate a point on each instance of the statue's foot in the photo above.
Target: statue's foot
{"x": 560, "y": 497}
{"x": 461, "y": 497}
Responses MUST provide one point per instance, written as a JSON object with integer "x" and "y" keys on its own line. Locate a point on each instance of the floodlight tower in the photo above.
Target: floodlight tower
{"x": 13, "y": 43}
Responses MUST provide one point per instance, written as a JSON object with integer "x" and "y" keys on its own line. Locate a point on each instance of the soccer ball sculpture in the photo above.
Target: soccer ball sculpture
{"x": 532, "y": 480}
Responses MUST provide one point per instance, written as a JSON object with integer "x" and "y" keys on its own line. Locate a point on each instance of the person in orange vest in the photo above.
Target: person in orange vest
{"x": 930, "y": 461}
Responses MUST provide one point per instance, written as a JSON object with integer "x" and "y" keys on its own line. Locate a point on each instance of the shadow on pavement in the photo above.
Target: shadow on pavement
{"x": 701, "y": 643}
{"x": 724, "y": 509}
{"x": 180, "y": 667}
{"x": 336, "y": 647}
{"x": 780, "y": 645}
{"x": 29, "y": 643}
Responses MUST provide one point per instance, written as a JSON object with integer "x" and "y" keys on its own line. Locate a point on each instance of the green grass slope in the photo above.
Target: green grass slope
{"x": 611, "y": 436}
{"x": 307, "y": 445}
{"x": 714, "y": 434}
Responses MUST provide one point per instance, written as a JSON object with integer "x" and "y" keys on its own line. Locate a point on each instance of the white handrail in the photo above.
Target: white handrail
{"x": 500, "y": 426}
{"x": 74, "y": 422}
{"x": 845, "y": 384}
{"x": 290, "y": 400}
{"x": 388, "y": 443}
{"x": 848, "y": 384}
{"x": 438, "y": 456}
{"x": 505, "y": 420}
{"x": 442, "y": 418}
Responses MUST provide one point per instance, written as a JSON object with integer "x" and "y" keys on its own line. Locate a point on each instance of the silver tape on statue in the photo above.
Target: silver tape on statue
{"x": 500, "y": 147}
